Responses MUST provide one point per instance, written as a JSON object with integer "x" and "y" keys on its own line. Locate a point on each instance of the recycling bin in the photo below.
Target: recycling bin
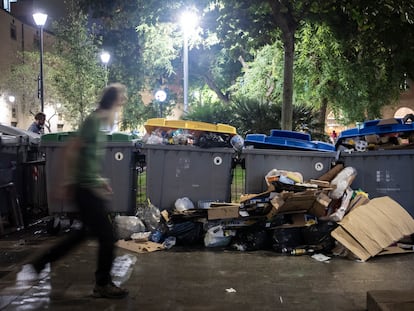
{"x": 177, "y": 171}
{"x": 119, "y": 167}
{"x": 258, "y": 162}
{"x": 384, "y": 173}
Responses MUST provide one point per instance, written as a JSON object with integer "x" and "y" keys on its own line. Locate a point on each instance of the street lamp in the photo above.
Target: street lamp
{"x": 188, "y": 23}
{"x": 160, "y": 97}
{"x": 40, "y": 20}
{"x": 105, "y": 57}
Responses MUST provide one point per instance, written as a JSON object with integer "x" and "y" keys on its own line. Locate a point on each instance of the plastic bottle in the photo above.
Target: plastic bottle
{"x": 169, "y": 242}
{"x": 301, "y": 251}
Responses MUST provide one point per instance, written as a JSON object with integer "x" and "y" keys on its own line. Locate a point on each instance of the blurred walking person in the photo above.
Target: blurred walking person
{"x": 89, "y": 191}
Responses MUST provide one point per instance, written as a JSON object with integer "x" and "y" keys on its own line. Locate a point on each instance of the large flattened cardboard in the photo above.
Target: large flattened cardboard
{"x": 369, "y": 229}
{"x": 223, "y": 211}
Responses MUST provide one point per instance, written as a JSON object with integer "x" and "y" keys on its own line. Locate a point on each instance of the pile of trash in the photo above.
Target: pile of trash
{"x": 322, "y": 216}
{"x": 185, "y": 132}
{"x": 381, "y": 134}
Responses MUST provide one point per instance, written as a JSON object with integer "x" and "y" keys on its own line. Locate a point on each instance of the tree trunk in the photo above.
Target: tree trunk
{"x": 212, "y": 85}
{"x": 287, "y": 104}
{"x": 322, "y": 115}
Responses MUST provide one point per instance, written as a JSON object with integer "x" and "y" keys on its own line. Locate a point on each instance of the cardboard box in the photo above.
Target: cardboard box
{"x": 291, "y": 201}
{"x": 320, "y": 205}
{"x": 265, "y": 194}
{"x": 370, "y": 229}
{"x": 223, "y": 211}
{"x": 143, "y": 247}
{"x": 296, "y": 219}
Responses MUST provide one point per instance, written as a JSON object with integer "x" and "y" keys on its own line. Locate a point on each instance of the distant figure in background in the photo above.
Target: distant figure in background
{"x": 334, "y": 136}
{"x": 39, "y": 123}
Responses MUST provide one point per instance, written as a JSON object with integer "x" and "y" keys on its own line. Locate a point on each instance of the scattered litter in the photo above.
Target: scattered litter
{"x": 145, "y": 247}
{"x": 122, "y": 268}
{"x": 321, "y": 257}
{"x": 281, "y": 299}
{"x": 169, "y": 242}
{"x": 127, "y": 225}
{"x": 141, "y": 236}
{"x": 231, "y": 290}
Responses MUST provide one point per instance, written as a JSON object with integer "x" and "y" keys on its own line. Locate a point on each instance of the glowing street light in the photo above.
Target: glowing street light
{"x": 40, "y": 20}
{"x": 188, "y": 23}
{"x": 160, "y": 97}
{"x": 105, "y": 57}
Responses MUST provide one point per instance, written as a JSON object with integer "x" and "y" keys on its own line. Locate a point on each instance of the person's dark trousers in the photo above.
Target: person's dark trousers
{"x": 94, "y": 216}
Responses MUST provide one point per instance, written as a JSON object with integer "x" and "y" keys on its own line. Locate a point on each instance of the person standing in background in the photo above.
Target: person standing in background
{"x": 38, "y": 125}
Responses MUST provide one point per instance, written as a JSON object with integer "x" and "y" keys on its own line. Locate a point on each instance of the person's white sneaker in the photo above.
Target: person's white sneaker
{"x": 28, "y": 273}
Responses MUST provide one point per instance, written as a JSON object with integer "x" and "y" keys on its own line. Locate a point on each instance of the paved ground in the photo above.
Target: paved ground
{"x": 182, "y": 279}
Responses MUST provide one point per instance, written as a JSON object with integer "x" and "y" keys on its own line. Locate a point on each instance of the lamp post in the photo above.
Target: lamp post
{"x": 160, "y": 97}
{"x": 188, "y": 23}
{"x": 105, "y": 57}
{"x": 40, "y": 20}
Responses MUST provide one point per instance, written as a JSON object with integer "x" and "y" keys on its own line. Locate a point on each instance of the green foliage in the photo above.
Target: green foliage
{"x": 263, "y": 76}
{"x": 251, "y": 115}
{"x": 81, "y": 75}
{"x": 161, "y": 45}
{"x": 350, "y": 54}
{"x": 211, "y": 111}
{"x": 23, "y": 80}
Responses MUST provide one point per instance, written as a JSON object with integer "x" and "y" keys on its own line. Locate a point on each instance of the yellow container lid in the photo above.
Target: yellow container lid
{"x": 155, "y": 123}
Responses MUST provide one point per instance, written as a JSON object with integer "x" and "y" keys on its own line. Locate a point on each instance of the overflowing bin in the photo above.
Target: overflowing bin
{"x": 385, "y": 172}
{"x": 175, "y": 171}
{"x": 29, "y": 175}
{"x": 258, "y": 162}
{"x": 119, "y": 167}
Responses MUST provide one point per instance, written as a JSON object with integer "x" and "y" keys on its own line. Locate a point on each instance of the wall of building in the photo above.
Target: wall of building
{"x": 403, "y": 106}
{"x": 17, "y": 36}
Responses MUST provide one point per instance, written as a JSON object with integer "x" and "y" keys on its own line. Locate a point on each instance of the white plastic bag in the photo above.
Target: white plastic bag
{"x": 183, "y": 204}
{"x": 342, "y": 181}
{"x": 127, "y": 225}
{"x": 341, "y": 211}
{"x": 150, "y": 215}
{"x": 217, "y": 237}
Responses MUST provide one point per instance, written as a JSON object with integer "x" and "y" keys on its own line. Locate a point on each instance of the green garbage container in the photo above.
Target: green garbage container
{"x": 119, "y": 167}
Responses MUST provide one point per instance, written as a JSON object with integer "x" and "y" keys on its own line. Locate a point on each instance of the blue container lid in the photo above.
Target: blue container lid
{"x": 377, "y": 127}
{"x": 282, "y": 139}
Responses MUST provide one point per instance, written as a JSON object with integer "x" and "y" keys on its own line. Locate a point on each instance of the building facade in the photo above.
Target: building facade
{"x": 18, "y": 36}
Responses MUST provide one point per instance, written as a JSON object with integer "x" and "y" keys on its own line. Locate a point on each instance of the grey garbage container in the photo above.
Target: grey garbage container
{"x": 28, "y": 139}
{"x": 176, "y": 171}
{"x": 10, "y": 155}
{"x": 384, "y": 173}
{"x": 29, "y": 177}
{"x": 258, "y": 162}
{"x": 119, "y": 167}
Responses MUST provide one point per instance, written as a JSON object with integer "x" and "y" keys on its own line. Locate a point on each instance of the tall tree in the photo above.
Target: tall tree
{"x": 81, "y": 75}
